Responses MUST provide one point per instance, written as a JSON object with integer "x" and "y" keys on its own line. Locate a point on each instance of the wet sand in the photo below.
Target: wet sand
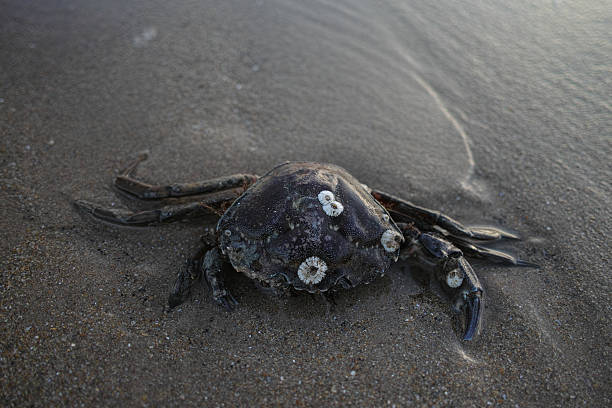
{"x": 494, "y": 115}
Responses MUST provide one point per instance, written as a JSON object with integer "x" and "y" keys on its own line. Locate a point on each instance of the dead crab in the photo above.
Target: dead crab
{"x": 313, "y": 227}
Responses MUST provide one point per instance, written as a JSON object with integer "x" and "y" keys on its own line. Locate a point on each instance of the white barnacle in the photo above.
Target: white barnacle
{"x": 326, "y": 197}
{"x": 391, "y": 240}
{"x": 385, "y": 217}
{"x": 312, "y": 270}
{"x": 454, "y": 278}
{"x": 333, "y": 209}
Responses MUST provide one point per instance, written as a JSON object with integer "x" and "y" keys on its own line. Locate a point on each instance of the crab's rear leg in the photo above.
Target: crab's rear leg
{"x": 455, "y": 274}
{"x": 478, "y": 251}
{"x": 425, "y": 217}
{"x": 208, "y": 205}
{"x": 210, "y": 266}
{"x": 144, "y": 191}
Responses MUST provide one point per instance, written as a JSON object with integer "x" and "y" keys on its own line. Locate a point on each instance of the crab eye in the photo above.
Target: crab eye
{"x": 391, "y": 240}
{"x": 325, "y": 197}
{"x": 333, "y": 209}
{"x": 312, "y": 270}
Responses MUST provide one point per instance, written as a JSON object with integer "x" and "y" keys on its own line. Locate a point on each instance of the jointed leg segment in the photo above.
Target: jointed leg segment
{"x": 427, "y": 219}
{"x": 170, "y": 213}
{"x": 478, "y": 251}
{"x": 209, "y": 198}
{"x": 144, "y": 191}
{"x": 446, "y": 261}
{"x": 185, "y": 279}
{"x": 209, "y": 265}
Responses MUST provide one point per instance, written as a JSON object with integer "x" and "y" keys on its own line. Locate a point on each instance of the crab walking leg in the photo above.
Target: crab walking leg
{"x": 477, "y": 251}
{"x": 165, "y": 214}
{"x": 430, "y": 218}
{"x": 453, "y": 272}
{"x": 212, "y": 267}
{"x": 185, "y": 280}
{"x": 144, "y": 191}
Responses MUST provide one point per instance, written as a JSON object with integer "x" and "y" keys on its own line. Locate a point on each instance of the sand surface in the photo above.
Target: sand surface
{"x": 496, "y": 115}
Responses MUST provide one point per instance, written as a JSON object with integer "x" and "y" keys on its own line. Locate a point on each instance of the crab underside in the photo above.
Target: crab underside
{"x": 312, "y": 227}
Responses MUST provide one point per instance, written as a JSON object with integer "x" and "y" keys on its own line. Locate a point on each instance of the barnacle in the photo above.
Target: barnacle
{"x": 454, "y": 278}
{"x": 391, "y": 240}
{"x": 325, "y": 197}
{"x": 333, "y": 209}
{"x": 312, "y": 270}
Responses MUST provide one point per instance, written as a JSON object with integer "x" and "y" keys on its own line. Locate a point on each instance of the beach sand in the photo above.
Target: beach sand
{"x": 495, "y": 115}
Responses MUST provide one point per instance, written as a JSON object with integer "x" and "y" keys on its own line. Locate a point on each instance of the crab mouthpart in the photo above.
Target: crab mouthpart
{"x": 312, "y": 270}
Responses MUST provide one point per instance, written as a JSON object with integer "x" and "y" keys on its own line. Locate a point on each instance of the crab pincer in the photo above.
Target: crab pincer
{"x": 469, "y": 299}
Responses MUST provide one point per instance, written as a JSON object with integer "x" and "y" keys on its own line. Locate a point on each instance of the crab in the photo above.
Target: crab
{"x": 311, "y": 227}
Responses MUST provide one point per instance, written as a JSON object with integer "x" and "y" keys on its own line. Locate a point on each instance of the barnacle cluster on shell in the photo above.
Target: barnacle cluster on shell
{"x": 312, "y": 270}
{"x": 391, "y": 240}
{"x": 331, "y": 207}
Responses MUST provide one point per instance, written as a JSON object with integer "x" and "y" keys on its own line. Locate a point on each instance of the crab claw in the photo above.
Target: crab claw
{"x": 469, "y": 299}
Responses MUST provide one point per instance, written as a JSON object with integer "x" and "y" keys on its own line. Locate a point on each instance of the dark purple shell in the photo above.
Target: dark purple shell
{"x": 279, "y": 222}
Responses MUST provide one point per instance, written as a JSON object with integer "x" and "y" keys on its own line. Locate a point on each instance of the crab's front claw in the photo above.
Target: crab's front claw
{"x": 469, "y": 298}
{"x": 472, "y": 304}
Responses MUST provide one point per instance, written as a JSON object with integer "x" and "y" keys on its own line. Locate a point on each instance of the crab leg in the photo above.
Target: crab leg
{"x": 429, "y": 218}
{"x": 144, "y": 191}
{"x": 209, "y": 265}
{"x": 478, "y": 251}
{"x": 455, "y": 274}
{"x": 212, "y": 268}
{"x": 170, "y": 213}
{"x": 185, "y": 280}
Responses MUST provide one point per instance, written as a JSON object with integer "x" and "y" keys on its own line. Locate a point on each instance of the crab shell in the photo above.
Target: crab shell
{"x": 280, "y": 222}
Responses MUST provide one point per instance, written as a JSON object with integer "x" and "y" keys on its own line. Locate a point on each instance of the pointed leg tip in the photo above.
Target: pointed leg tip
{"x": 140, "y": 157}
{"x": 467, "y": 337}
{"x": 174, "y": 301}
{"x": 473, "y": 317}
{"x": 512, "y": 237}
{"x": 78, "y": 203}
{"x": 143, "y": 155}
{"x": 227, "y": 302}
{"x": 232, "y": 299}
{"x": 84, "y": 205}
{"x": 521, "y": 262}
